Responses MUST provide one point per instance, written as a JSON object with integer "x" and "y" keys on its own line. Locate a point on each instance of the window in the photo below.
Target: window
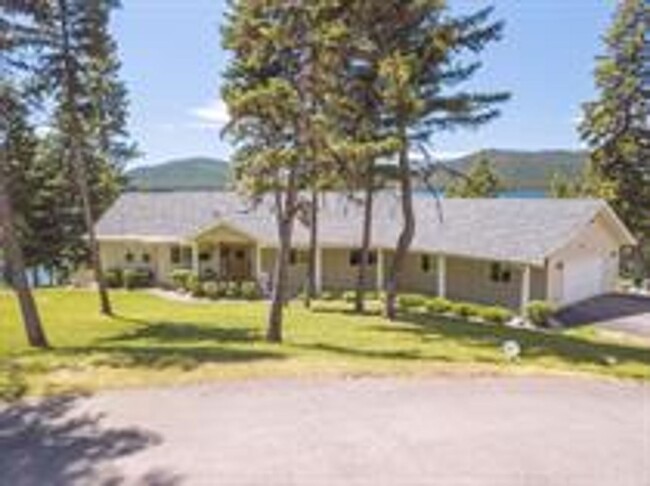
{"x": 205, "y": 256}
{"x": 355, "y": 258}
{"x": 296, "y": 257}
{"x": 500, "y": 273}
{"x": 129, "y": 257}
{"x": 146, "y": 258}
{"x": 425, "y": 263}
{"x": 175, "y": 255}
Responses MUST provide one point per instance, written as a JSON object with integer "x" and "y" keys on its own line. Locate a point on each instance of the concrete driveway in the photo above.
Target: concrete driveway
{"x": 629, "y": 314}
{"x": 451, "y": 432}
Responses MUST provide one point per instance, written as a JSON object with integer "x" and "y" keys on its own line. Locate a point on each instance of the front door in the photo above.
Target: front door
{"x": 235, "y": 262}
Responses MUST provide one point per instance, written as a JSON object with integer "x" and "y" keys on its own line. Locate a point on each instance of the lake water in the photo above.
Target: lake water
{"x": 514, "y": 194}
{"x": 524, "y": 194}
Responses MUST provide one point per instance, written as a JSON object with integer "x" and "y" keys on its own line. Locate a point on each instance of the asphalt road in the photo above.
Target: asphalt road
{"x": 438, "y": 431}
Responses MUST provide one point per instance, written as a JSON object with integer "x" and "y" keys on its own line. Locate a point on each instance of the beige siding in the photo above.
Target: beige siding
{"x": 297, "y": 272}
{"x": 467, "y": 280}
{"x": 338, "y": 274}
{"x": 114, "y": 256}
{"x": 414, "y": 278}
{"x": 538, "y": 284}
{"x": 596, "y": 240}
{"x": 470, "y": 280}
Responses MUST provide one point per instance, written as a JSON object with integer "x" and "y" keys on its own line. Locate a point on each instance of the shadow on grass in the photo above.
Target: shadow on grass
{"x": 160, "y": 345}
{"x": 345, "y": 311}
{"x": 406, "y": 355}
{"x": 51, "y": 442}
{"x": 143, "y": 355}
{"x": 170, "y": 331}
{"x": 535, "y": 344}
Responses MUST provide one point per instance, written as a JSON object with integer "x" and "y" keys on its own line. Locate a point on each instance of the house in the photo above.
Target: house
{"x": 494, "y": 251}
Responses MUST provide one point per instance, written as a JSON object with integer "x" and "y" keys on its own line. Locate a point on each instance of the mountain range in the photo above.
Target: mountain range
{"x": 519, "y": 170}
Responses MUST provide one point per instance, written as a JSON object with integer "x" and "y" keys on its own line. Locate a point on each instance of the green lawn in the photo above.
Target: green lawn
{"x": 157, "y": 341}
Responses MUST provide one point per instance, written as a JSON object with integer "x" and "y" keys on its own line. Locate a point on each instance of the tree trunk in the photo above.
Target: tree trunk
{"x": 285, "y": 215}
{"x": 17, "y": 276}
{"x": 406, "y": 235}
{"x": 78, "y": 163}
{"x": 93, "y": 245}
{"x": 359, "y": 303}
{"x": 313, "y": 250}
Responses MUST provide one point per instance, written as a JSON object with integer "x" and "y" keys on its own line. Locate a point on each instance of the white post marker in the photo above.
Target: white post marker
{"x": 442, "y": 276}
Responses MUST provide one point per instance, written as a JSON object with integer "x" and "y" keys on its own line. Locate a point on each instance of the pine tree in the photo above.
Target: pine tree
{"x": 480, "y": 182}
{"x": 274, "y": 91}
{"x": 356, "y": 109}
{"x": 76, "y": 67}
{"x": 422, "y": 52}
{"x": 561, "y": 187}
{"x": 16, "y": 143}
{"x": 616, "y": 125}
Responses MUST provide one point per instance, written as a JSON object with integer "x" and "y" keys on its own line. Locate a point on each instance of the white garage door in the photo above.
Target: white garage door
{"x": 583, "y": 278}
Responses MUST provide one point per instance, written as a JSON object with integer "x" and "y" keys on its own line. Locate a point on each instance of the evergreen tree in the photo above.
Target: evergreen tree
{"x": 77, "y": 70}
{"x": 480, "y": 182}
{"x": 359, "y": 113}
{"x": 274, "y": 90}
{"x": 561, "y": 187}
{"x": 615, "y": 126}
{"x": 16, "y": 144}
{"x": 422, "y": 53}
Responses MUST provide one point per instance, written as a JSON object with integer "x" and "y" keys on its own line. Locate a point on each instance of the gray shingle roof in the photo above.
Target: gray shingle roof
{"x": 521, "y": 230}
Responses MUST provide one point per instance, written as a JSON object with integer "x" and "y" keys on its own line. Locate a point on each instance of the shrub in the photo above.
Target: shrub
{"x": 438, "y": 305}
{"x": 250, "y": 291}
{"x": 372, "y": 295}
{"x": 538, "y": 312}
{"x": 179, "y": 278}
{"x": 465, "y": 309}
{"x": 137, "y": 279}
{"x": 193, "y": 286}
{"x": 211, "y": 290}
{"x": 232, "y": 290}
{"x": 331, "y": 295}
{"x": 114, "y": 278}
{"x": 349, "y": 296}
{"x": 495, "y": 314}
{"x": 408, "y": 302}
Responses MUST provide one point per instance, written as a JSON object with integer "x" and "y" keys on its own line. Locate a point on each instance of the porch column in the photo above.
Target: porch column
{"x": 442, "y": 276}
{"x": 258, "y": 262}
{"x": 195, "y": 258}
{"x": 318, "y": 270}
{"x": 217, "y": 260}
{"x": 380, "y": 270}
{"x": 525, "y": 288}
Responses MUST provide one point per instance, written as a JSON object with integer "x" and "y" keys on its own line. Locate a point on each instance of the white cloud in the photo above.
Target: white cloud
{"x": 441, "y": 154}
{"x": 43, "y": 130}
{"x": 212, "y": 115}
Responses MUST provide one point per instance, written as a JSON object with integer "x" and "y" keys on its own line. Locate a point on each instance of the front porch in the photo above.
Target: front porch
{"x": 223, "y": 255}
{"x": 223, "y": 261}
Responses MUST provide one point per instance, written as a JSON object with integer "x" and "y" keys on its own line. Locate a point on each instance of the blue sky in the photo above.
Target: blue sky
{"x": 172, "y": 63}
